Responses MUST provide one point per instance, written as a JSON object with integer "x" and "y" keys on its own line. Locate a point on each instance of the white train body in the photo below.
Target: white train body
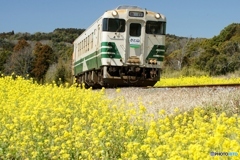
{"x": 124, "y": 47}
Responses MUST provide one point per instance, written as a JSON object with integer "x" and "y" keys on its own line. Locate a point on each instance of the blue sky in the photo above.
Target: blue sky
{"x": 187, "y": 18}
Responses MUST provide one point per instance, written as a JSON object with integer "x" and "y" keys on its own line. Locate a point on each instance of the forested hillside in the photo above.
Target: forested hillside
{"x": 46, "y": 57}
{"x": 219, "y": 55}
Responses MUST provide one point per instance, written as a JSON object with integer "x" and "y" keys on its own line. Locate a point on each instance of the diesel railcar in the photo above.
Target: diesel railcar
{"x": 124, "y": 47}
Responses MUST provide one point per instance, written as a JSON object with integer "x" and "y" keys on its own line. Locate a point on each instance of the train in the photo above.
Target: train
{"x": 123, "y": 47}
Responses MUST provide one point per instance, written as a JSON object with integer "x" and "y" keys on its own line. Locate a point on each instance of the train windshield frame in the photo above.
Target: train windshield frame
{"x": 113, "y": 25}
{"x": 156, "y": 27}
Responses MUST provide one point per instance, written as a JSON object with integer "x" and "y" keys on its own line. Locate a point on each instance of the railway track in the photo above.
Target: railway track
{"x": 180, "y": 86}
{"x": 202, "y": 85}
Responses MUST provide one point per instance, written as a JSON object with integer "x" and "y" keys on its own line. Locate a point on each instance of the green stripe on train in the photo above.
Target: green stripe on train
{"x": 78, "y": 62}
{"x": 88, "y": 57}
{"x": 111, "y": 52}
{"x": 157, "y": 52}
{"x": 78, "y": 69}
{"x": 93, "y": 60}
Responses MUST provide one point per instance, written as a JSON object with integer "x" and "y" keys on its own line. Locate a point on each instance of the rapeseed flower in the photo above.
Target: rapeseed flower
{"x": 194, "y": 80}
{"x": 50, "y": 122}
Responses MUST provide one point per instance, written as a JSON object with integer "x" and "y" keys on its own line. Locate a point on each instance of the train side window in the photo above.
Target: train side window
{"x": 84, "y": 44}
{"x": 79, "y": 48}
{"x": 156, "y": 27}
{"x": 113, "y": 25}
{"x": 88, "y": 38}
{"x": 76, "y": 54}
{"x": 92, "y": 40}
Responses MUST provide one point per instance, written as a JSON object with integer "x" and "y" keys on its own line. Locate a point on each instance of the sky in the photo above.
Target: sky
{"x": 185, "y": 18}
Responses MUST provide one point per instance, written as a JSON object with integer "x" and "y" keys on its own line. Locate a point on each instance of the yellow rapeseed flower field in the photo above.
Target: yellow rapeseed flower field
{"x": 195, "y": 80}
{"x": 50, "y": 122}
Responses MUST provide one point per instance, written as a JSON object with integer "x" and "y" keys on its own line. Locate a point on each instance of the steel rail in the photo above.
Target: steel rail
{"x": 201, "y": 85}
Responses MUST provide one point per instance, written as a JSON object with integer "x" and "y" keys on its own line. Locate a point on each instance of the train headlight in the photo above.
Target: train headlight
{"x": 114, "y": 13}
{"x": 154, "y": 61}
{"x": 157, "y": 15}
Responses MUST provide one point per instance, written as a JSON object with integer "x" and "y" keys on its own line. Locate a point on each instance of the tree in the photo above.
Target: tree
{"x": 217, "y": 65}
{"x": 6, "y": 49}
{"x": 4, "y": 54}
{"x": 20, "y": 45}
{"x": 182, "y": 57}
{"x": 44, "y": 56}
{"x": 20, "y": 62}
{"x": 60, "y": 72}
{"x": 177, "y": 58}
{"x": 64, "y": 72}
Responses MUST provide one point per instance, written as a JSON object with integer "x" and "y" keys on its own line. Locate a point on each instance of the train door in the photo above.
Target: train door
{"x": 135, "y": 41}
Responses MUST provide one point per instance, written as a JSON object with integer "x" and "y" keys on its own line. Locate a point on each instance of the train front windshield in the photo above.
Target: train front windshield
{"x": 113, "y": 25}
{"x": 156, "y": 27}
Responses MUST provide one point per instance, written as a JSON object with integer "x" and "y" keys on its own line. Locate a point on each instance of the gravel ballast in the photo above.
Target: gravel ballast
{"x": 155, "y": 99}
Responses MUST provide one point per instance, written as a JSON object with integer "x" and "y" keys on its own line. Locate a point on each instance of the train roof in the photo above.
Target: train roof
{"x": 128, "y": 7}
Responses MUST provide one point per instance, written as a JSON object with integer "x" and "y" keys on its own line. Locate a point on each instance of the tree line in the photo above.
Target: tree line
{"x": 27, "y": 61}
{"x": 46, "y": 57}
